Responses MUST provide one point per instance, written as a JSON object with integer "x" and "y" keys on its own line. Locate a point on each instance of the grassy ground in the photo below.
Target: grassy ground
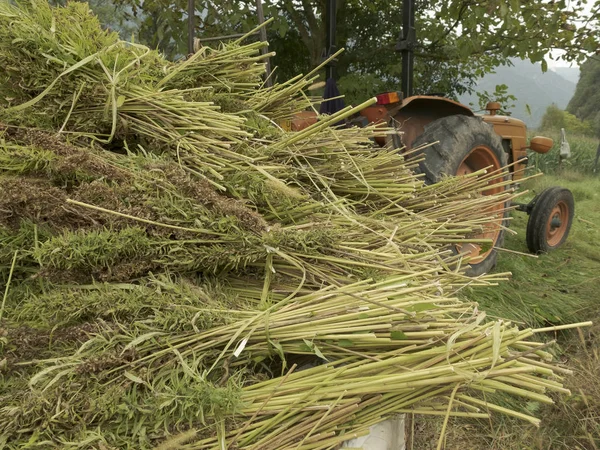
{"x": 560, "y": 287}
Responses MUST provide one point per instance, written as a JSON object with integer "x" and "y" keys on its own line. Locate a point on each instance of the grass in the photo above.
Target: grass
{"x": 560, "y": 287}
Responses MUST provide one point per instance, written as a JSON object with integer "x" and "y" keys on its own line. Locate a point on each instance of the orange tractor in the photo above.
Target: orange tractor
{"x": 461, "y": 142}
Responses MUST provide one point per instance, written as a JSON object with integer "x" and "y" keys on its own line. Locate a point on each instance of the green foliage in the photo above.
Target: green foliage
{"x": 112, "y": 16}
{"x": 21, "y": 160}
{"x": 585, "y": 104}
{"x": 67, "y": 306}
{"x": 163, "y": 25}
{"x": 86, "y": 250}
{"x": 500, "y": 95}
{"x": 23, "y": 240}
{"x": 167, "y": 302}
{"x": 175, "y": 402}
{"x": 458, "y": 40}
{"x": 292, "y": 55}
{"x": 361, "y": 251}
{"x": 555, "y": 118}
{"x": 577, "y": 126}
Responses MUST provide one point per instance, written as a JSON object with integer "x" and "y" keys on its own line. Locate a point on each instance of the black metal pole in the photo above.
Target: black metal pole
{"x": 331, "y": 18}
{"x": 191, "y": 14}
{"x": 406, "y": 46}
{"x": 263, "y": 38}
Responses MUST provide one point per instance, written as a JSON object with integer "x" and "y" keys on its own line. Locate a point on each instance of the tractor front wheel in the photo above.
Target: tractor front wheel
{"x": 461, "y": 145}
{"x": 550, "y": 219}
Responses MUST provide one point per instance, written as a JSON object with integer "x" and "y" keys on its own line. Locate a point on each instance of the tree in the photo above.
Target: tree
{"x": 555, "y": 119}
{"x": 113, "y": 16}
{"x": 163, "y": 23}
{"x": 459, "y": 40}
{"x": 585, "y": 104}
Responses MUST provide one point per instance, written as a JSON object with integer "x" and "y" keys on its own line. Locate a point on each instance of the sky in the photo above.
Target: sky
{"x": 560, "y": 63}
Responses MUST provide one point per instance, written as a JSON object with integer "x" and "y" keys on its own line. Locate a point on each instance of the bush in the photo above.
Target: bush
{"x": 555, "y": 119}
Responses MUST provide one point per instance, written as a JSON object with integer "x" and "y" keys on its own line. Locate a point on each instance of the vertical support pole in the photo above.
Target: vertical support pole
{"x": 406, "y": 45}
{"x": 331, "y": 7}
{"x": 191, "y": 25}
{"x": 263, "y": 38}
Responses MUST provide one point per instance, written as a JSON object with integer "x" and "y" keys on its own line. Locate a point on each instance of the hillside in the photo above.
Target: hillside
{"x": 584, "y": 103}
{"x": 531, "y": 86}
{"x": 568, "y": 73}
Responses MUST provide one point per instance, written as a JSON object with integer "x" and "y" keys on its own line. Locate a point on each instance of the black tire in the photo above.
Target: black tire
{"x": 550, "y": 204}
{"x": 457, "y": 137}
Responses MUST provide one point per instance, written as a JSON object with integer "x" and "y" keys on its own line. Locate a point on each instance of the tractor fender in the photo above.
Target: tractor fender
{"x": 417, "y": 111}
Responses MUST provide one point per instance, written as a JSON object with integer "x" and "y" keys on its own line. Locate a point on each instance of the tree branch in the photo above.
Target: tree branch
{"x": 310, "y": 15}
{"x": 462, "y": 10}
{"x": 298, "y": 21}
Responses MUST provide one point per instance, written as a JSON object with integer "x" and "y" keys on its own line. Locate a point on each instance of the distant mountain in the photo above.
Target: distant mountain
{"x": 568, "y": 73}
{"x": 531, "y": 86}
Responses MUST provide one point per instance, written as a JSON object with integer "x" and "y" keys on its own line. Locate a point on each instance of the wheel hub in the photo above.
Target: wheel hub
{"x": 480, "y": 158}
{"x": 557, "y": 224}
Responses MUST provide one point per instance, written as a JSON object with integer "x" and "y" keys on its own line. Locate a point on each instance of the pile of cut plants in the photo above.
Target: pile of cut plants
{"x": 180, "y": 272}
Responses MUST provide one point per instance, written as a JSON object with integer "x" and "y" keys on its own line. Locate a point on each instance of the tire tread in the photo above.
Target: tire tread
{"x": 456, "y": 136}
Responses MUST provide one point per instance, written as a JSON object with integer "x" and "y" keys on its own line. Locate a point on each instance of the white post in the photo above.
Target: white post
{"x": 386, "y": 435}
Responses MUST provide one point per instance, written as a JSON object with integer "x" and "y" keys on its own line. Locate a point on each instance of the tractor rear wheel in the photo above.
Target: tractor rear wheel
{"x": 462, "y": 145}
